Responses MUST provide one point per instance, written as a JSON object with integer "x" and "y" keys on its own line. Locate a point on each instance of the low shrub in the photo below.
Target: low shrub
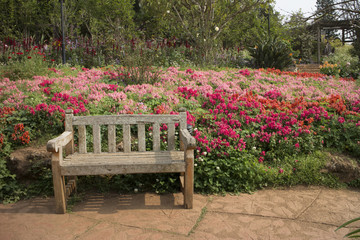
{"x": 271, "y": 52}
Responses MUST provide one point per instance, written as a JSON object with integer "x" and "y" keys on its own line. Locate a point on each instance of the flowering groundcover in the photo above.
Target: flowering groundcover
{"x": 253, "y": 127}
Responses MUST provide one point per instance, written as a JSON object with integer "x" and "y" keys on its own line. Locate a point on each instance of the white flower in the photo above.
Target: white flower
{"x": 197, "y": 35}
{"x": 253, "y": 148}
{"x": 204, "y": 40}
{"x": 136, "y": 190}
{"x": 168, "y": 11}
{"x": 150, "y": 134}
{"x": 204, "y": 153}
{"x": 195, "y": 165}
{"x": 217, "y": 168}
{"x": 201, "y": 159}
{"x": 198, "y": 151}
{"x": 217, "y": 29}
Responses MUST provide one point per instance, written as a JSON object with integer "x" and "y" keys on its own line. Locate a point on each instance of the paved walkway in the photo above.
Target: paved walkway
{"x": 295, "y": 213}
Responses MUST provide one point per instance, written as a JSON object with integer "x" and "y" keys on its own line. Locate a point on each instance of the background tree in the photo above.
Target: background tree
{"x": 346, "y": 10}
{"x": 326, "y": 10}
{"x": 204, "y": 21}
{"x": 300, "y": 38}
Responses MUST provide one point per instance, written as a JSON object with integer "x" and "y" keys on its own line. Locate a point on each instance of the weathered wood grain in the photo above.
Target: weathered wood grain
{"x": 97, "y": 138}
{"x": 127, "y": 162}
{"x": 112, "y": 138}
{"x": 54, "y": 144}
{"x": 156, "y": 137}
{"x": 125, "y": 119}
{"x": 127, "y": 138}
{"x": 141, "y": 137}
{"x": 171, "y": 136}
{"x": 82, "y": 139}
{"x": 58, "y": 181}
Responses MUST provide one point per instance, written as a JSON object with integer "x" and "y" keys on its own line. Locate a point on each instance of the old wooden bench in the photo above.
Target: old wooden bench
{"x": 67, "y": 164}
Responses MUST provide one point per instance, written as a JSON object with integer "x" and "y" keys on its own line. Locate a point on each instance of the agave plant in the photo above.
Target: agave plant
{"x": 353, "y": 234}
{"x": 271, "y": 52}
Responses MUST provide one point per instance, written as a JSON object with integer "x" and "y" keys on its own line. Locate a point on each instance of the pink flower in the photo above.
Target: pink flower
{"x": 341, "y": 120}
{"x": 297, "y": 145}
{"x": 281, "y": 170}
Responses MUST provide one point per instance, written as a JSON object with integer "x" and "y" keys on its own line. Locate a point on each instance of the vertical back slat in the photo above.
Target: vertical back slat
{"x": 156, "y": 137}
{"x": 141, "y": 137}
{"x": 82, "y": 139}
{"x": 127, "y": 138}
{"x": 112, "y": 138}
{"x": 171, "y": 136}
{"x": 183, "y": 125}
{"x": 97, "y": 139}
{"x": 69, "y": 115}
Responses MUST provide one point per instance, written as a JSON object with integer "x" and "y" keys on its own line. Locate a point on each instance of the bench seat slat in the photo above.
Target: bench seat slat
{"x": 122, "y": 163}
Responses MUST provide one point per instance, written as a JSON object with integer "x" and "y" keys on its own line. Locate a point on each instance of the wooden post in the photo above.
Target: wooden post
{"x": 58, "y": 181}
{"x": 189, "y": 179}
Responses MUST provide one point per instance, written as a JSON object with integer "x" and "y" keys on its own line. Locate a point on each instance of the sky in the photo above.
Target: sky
{"x": 286, "y": 7}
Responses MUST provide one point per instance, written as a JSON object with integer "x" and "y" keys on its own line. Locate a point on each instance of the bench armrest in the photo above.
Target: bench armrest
{"x": 61, "y": 141}
{"x": 188, "y": 140}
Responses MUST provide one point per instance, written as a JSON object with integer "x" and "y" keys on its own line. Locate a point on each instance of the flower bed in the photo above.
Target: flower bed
{"x": 253, "y": 127}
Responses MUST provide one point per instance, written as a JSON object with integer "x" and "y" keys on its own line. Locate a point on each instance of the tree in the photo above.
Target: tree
{"x": 326, "y": 8}
{"x": 346, "y": 10}
{"x": 301, "y": 40}
{"x": 202, "y": 22}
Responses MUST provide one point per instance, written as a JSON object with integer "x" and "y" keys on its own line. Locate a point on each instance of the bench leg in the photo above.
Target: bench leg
{"x": 59, "y": 185}
{"x": 189, "y": 179}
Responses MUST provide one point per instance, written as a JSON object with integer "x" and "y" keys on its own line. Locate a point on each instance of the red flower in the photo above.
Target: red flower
{"x": 53, "y": 60}
{"x": 29, "y": 57}
{"x": 9, "y": 57}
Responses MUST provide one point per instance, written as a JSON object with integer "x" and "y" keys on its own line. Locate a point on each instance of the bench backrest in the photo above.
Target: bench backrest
{"x": 125, "y": 120}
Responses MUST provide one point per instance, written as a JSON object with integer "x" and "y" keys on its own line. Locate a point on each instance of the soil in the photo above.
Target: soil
{"x": 344, "y": 167}
{"x": 22, "y": 160}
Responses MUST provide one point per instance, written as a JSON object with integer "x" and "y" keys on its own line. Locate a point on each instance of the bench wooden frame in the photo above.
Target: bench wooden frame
{"x": 126, "y": 162}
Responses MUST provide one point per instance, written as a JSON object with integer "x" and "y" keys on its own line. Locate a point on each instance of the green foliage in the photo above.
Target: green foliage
{"x": 301, "y": 169}
{"x": 300, "y": 38}
{"x": 138, "y": 68}
{"x": 10, "y": 190}
{"x": 271, "y": 52}
{"x": 24, "y": 66}
{"x": 238, "y": 172}
{"x": 345, "y": 62}
{"x": 352, "y": 234}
